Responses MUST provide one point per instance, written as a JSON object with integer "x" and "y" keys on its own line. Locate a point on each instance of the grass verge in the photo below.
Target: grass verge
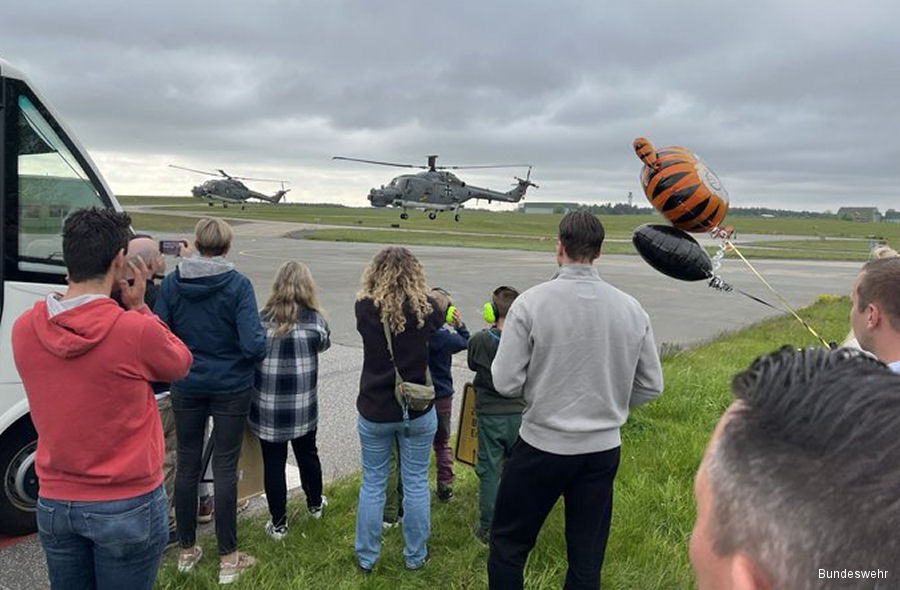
{"x": 654, "y": 507}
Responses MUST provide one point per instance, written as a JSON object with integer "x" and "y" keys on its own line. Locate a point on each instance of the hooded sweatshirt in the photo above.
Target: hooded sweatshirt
{"x": 86, "y": 372}
{"x": 212, "y": 307}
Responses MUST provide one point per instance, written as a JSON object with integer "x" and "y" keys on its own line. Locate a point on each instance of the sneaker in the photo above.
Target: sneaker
{"x": 444, "y": 492}
{"x": 188, "y": 558}
{"x": 277, "y": 533}
{"x": 205, "y": 509}
{"x": 421, "y": 565}
{"x": 366, "y": 571}
{"x": 316, "y": 511}
{"x": 230, "y": 571}
{"x": 391, "y": 524}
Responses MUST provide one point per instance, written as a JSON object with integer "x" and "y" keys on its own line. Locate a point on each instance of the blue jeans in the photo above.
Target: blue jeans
{"x": 114, "y": 544}
{"x": 375, "y": 439}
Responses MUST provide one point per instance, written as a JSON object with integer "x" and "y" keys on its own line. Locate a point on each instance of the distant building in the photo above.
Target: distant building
{"x": 891, "y": 216}
{"x": 859, "y": 213}
{"x": 560, "y": 208}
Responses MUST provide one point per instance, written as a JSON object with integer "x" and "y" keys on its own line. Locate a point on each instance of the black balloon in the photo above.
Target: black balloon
{"x": 672, "y": 252}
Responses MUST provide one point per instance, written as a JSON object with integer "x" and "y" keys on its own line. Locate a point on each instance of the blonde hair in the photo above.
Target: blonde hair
{"x": 883, "y": 251}
{"x": 293, "y": 291}
{"x": 395, "y": 278}
{"x": 212, "y": 236}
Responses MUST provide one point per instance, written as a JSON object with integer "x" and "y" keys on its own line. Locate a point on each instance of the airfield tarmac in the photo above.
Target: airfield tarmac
{"x": 681, "y": 313}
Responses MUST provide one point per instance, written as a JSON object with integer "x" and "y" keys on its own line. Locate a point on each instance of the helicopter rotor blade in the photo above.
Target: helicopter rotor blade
{"x": 260, "y": 179}
{"x": 194, "y": 170}
{"x": 488, "y": 166}
{"x": 377, "y": 162}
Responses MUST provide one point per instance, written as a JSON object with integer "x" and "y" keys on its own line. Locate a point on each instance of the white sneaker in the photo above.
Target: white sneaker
{"x": 277, "y": 533}
{"x": 317, "y": 511}
{"x": 230, "y": 571}
{"x": 188, "y": 558}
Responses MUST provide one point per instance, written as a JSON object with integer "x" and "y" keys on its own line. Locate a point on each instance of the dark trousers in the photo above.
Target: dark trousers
{"x": 532, "y": 481}
{"x": 229, "y": 414}
{"x": 275, "y": 458}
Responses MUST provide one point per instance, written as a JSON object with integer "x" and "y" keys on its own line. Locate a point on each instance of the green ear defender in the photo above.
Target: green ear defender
{"x": 490, "y": 312}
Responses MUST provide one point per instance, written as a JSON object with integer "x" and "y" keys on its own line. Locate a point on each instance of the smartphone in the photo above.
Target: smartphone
{"x": 170, "y": 247}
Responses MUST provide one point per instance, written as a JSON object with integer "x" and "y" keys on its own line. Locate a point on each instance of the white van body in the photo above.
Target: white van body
{"x": 45, "y": 174}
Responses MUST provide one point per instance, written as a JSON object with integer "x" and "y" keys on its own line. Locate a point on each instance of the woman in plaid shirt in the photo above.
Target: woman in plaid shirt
{"x": 286, "y": 408}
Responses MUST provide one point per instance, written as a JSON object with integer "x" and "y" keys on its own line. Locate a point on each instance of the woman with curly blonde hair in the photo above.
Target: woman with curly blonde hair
{"x": 393, "y": 290}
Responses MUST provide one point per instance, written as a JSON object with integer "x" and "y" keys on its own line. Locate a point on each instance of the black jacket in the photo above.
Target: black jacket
{"x": 376, "y": 401}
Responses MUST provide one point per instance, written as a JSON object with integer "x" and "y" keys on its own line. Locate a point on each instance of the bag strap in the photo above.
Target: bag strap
{"x": 390, "y": 347}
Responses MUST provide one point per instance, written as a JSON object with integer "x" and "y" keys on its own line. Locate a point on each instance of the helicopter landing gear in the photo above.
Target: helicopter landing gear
{"x": 432, "y": 215}
{"x": 456, "y": 217}
{"x": 242, "y": 207}
{"x": 404, "y": 215}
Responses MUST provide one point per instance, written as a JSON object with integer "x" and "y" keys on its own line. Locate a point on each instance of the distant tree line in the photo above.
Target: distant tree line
{"x": 626, "y": 209}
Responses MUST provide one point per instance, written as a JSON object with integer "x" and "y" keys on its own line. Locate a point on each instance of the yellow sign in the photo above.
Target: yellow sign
{"x": 467, "y": 435}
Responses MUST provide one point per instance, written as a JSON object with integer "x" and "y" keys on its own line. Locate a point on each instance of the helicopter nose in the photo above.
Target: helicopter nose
{"x": 378, "y": 198}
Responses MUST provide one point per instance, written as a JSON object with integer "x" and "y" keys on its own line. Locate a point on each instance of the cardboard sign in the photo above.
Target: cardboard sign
{"x": 467, "y": 434}
{"x": 250, "y": 467}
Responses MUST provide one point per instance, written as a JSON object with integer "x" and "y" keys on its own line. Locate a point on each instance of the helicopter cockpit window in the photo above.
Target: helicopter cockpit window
{"x": 51, "y": 184}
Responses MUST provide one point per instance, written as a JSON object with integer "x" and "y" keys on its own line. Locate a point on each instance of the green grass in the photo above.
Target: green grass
{"x": 154, "y": 222}
{"x": 132, "y": 200}
{"x": 508, "y": 230}
{"x": 654, "y": 507}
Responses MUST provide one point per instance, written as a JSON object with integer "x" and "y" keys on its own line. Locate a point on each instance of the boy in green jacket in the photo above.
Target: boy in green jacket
{"x": 498, "y": 417}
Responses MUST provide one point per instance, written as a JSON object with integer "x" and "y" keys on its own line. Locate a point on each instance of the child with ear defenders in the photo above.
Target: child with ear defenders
{"x": 498, "y": 417}
{"x": 443, "y": 344}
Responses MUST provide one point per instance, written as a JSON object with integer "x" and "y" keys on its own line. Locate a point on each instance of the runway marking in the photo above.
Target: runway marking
{"x": 7, "y": 542}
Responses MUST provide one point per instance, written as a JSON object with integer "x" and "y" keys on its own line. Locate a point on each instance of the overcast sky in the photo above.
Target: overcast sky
{"x": 793, "y": 103}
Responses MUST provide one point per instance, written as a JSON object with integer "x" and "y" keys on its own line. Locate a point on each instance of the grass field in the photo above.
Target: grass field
{"x": 654, "y": 507}
{"x": 509, "y": 230}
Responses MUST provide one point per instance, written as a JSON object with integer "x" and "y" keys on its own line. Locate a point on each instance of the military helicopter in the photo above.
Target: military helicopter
{"x": 437, "y": 190}
{"x": 230, "y": 189}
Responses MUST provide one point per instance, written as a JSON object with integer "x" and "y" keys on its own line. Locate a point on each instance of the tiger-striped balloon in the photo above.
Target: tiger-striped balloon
{"x": 681, "y": 187}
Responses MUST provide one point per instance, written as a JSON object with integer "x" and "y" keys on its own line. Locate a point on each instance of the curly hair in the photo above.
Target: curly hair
{"x": 395, "y": 279}
{"x": 292, "y": 291}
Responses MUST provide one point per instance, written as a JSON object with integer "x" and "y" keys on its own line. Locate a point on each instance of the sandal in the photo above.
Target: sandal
{"x": 188, "y": 558}
{"x": 229, "y": 572}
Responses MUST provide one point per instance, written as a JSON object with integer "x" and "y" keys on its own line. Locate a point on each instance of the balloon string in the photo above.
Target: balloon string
{"x": 784, "y": 302}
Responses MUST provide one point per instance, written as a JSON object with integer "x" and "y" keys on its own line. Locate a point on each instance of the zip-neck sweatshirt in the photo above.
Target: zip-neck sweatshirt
{"x": 86, "y": 372}
{"x": 582, "y": 353}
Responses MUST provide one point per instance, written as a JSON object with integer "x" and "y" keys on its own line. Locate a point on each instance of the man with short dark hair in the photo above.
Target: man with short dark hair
{"x": 582, "y": 353}
{"x": 875, "y": 310}
{"x": 798, "y": 486}
{"x": 86, "y": 365}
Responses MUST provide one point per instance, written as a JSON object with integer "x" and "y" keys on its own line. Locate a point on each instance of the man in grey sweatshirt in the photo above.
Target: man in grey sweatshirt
{"x": 582, "y": 353}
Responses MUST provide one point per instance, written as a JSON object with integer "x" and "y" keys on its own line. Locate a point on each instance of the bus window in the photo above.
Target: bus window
{"x": 51, "y": 184}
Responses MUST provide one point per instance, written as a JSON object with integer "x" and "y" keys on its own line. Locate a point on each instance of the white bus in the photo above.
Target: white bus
{"x": 44, "y": 175}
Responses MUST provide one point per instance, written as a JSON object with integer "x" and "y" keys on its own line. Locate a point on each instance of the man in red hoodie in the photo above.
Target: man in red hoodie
{"x": 87, "y": 365}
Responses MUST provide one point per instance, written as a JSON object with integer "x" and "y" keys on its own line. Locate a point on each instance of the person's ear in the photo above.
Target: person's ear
{"x": 746, "y": 574}
{"x": 873, "y": 315}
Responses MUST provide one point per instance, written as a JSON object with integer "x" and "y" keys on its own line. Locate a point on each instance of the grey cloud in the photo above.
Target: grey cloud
{"x": 788, "y": 102}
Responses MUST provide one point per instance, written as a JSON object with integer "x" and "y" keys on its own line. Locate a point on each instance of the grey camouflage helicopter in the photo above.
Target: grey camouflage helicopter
{"x": 437, "y": 190}
{"x": 230, "y": 189}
